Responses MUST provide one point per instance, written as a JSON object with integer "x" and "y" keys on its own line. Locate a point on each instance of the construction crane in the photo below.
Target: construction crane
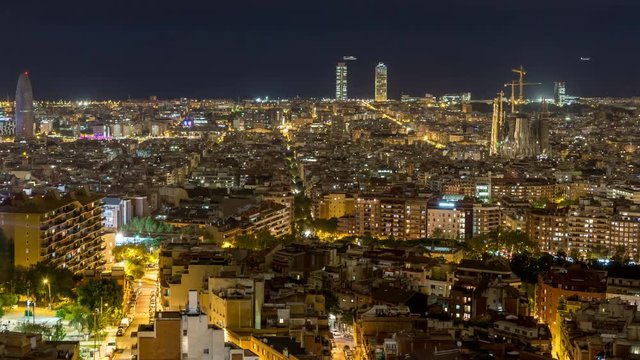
{"x": 521, "y": 73}
{"x": 520, "y": 99}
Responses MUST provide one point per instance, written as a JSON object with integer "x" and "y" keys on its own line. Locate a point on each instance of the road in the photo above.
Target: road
{"x": 337, "y": 353}
{"x": 139, "y": 314}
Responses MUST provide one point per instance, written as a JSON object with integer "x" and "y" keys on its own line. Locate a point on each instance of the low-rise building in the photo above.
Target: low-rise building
{"x": 19, "y": 345}
{"x": 596, "y": 329}
{"x": 561, "y": 283}
{"x": 180, "y": 335}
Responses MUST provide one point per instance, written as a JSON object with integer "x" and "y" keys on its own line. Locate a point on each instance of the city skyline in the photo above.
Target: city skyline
{"x": 335, "y": 180}
{"x": 130, "y": 51}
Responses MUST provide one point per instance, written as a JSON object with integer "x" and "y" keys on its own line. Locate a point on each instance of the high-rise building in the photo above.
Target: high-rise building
{"x": 64, "y": 231}
{"x": 117, "y": 212}
{"x": 559, "y": 93}
{"x": 381, "y": 82}
{"x": 24, "y": 107}
{"x": 341, "y": 81}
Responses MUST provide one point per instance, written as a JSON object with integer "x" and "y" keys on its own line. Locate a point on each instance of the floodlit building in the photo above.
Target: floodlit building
{"x": 341, "y": 81}
{"x": 381, "y": 82}
{"x": 559, "y": 93}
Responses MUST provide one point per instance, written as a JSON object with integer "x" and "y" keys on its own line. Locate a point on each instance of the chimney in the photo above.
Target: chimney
{"x": 192, "y": 306}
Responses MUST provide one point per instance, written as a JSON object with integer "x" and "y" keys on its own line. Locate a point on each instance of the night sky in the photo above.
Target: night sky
{"x": 280, "y": 48}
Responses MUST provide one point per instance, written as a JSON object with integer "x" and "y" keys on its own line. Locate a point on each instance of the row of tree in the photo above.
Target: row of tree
{"x": 501, "y": 242}
{"x": 35, "y": 281}
{"x": 93, "y": 304}
{"x": 148, "y": 225}
{"x": 98, "y": 304}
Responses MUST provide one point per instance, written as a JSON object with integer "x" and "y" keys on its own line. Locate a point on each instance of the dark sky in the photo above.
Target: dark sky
{"x": 281, "y": 48}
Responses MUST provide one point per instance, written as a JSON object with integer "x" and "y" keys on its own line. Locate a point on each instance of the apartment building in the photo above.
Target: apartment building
{"x": 63, "y": 230}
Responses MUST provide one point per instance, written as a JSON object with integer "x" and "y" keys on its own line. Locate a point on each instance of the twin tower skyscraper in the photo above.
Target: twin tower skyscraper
{"x": 24, "y": 116}
{"x": 380, "y": 84}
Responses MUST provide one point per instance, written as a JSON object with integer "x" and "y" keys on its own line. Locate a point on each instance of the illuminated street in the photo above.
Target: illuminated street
{"x": 140, "y": 314}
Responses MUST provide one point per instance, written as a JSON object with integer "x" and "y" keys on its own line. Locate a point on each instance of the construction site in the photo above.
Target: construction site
{"x": 515, "y": 133}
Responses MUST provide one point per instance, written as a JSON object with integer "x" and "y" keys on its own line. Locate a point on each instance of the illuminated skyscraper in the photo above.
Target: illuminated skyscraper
{"x": 381, "y": 82}
{"x": 24, "y": 107}
{"x": 341, "y": 81}
{"x": 559, "y": 93}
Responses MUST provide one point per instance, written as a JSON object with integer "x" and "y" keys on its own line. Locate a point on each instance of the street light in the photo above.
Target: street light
{"x": 46, "y": 282}
{"x": 95, "y": 333}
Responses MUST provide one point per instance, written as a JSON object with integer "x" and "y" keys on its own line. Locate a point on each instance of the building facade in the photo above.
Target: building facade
{"x": 341, "y": 81}
{"x": 65, "y": 231}
{"x": 381, "y": 82}
{"x": 24, "y": 107}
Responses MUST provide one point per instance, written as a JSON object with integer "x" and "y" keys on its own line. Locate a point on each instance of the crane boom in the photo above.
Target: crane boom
{"x": 520, "y": 100}
{"x": 521, "y": 72}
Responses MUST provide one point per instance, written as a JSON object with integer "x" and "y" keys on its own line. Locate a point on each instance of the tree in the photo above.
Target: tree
{"x": 100, "y": 293}
{"x": 598, "y": 252}
{"x": 528, "y": 266}
{"x": 31, "y": 280}
{"x": 7, "y": 253}
{"x": 147, "y": 225}
{"x": 368, "y": 240}
{"x": 256, "y": 241}
{"x": 540, "y": 203}
{"x": 54, "y": 333}
{"x": 34, "y": 328}
{"x": 575, "y": 254}
{"x": 302, "y": 212}
{"x": 326, "y": 225}
{"x": 620, "y": 252}
{"x": 135, "y": 258}
{"x": 58, "y": 333}
{"x": 7, "y": 300}
{"x": 79, "y": 317}
{"x": 437, "y": 234}
{"x": 500, "y": 242}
